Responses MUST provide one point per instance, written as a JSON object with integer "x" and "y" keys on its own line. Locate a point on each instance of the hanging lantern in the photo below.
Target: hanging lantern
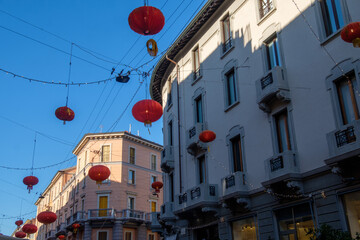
{"x": 147, "y": 111}
{"x": 146, "y": 20}
{"x": 30, "y": 181}
{"x": 20, "y": 234}
{"x": 46, "y": 217}
{"x": 64, "y": 114}
{"x": 19, "y": 223}
{"x": 29, "y": 228}
{"x": 99, "y": 173}
{"x": 61, "y": 237}
{"x": 207, "y": 136}
{"x": 157, "y": 186}
{"x": 152, "y": 47}
{"x": 76, "y": 226}
{"x": 351, "y": 33}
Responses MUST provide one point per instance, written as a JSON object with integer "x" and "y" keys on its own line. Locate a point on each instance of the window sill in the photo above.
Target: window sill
{"x": 227, "y": 52}
{"x": 169, "y": 107}
{"x": 196, "y": 80}
{"x": 267, "y": 15}
{"x": 131, "y": 184}
{"x": 330, "y": 37}
{"x": 228, "y": 108}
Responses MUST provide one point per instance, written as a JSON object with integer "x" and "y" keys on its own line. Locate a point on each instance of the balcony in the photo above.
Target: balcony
{"x": 234, "y": 183}
{"x": 131, "y": 215}
{"x": 60, "y": 228}
{"x": 281, "y": 164}
{"x": 101, "y": 213}
{"x": 50, "y": 234}
{"x": 202, "y": 195}
{"x": 167, "y": 213}
{"x": 344, "y": 139}
{"x": 193, "y": 145}
{"x": 273, "y": 85}
{"x": 76, "y": 217}
{"x": 152, "y": 220}
{"x": 167, "y": 159}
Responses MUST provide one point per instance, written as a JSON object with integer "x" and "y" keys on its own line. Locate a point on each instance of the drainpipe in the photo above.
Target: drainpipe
{"x": 178, "y": 110}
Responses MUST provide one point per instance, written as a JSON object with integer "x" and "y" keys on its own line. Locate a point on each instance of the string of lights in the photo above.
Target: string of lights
{"x": 38, "y": 168}
{"x": 12, "y": 217}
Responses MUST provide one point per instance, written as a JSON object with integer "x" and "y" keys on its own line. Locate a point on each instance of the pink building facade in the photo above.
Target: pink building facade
{"x": 122, "y": 207}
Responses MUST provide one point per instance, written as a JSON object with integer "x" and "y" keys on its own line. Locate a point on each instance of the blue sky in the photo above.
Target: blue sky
{"x": 99, "y": 26}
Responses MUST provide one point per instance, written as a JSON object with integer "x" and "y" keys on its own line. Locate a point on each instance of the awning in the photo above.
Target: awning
{"x": 172, "y": 237}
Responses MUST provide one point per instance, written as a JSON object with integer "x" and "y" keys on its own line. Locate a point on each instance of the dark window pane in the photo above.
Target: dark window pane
{"x": 199, "y": 112}
{"x": 202, "y": 172}
{"x": 170, "y": 127}
{"x": 102, "y": 236}
{"x": 236, "y": 152}
{"x": 282, "y": 132}
{"x": 231, "y": 88}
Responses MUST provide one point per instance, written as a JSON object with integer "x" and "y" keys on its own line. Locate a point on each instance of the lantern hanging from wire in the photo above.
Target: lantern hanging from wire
{"x": 207, "y": 136}
{"x": 147, "y": 111}
{"x": 61, "y": 237}
{"x": 65, "y": 114}
{"x": 351, "y": 33}
{"x": 146, "y": 20}
{"x": 152, "y": 47}
{"x": 30, "y": 181}
{"x": 75, "y": 226}
{"x": 157, "y": 186}
{"x": 99, "y": 173}
{"x": 19, "y": 223}
{"x": 20, "y": 234}
{"x": 46, "y": 217}
{"x": 29, "y": 228}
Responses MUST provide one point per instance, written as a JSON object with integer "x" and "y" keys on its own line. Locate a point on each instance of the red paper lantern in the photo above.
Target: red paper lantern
{"x": 20, "y": 234}
{"x": 207, "y": 136}
{"x": 146, "y": 20}
{"x": 351, "y": 33}
{"x": 99, "y": 173}
{"x": 19, "y": 223}
{"x": 157, "y": 186}
{"x": 46, "y": 217}
{"x": 61, "y": 237}
{"x": 64, "y": 114}
{"x": 147, "y": 111}
{"x": 29, "y": 228}
{"x": 30, "y": 181}
{"x": 75, "y": 226}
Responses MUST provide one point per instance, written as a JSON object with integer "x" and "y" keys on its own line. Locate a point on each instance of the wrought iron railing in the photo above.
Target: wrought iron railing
{"x": 183, "y": 198}
{"x": 265, "y": 7}
{"x": 130, "y": 213}
{"x": 345, "y": 136}
{"x": 276, "y": 164}
{"x": 196, "y": 74}
{"x": 101, "y": 213}
{"x": 229, "y": 181}
{"x": 192, "y": 132}
{"x": 195, "y": 193}
{"x": 212, "y": 191}
{"x": 266, "y": 81}
{"x": 227, "y": 45}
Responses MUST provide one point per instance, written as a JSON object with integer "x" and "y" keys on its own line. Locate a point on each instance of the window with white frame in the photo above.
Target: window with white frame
{"x": 105, "y": 153}
{"x": 230, "y": 85}
{"x": 265, "y": 6}
{"x": 153, "y": 162}
{"x": 196, "y": 63}
{"x": 226, "y": 34}
{"x": 132, "y": 155}
{"x": 332, "y": 16}
{"x": 131, "y": 177}
{"x": 273, "y": 57}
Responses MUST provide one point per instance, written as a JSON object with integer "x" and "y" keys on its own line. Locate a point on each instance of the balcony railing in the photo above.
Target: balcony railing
{"x": 192, "y": 136}
{"x": 235, "y": 182}
{"x": 60, "y": 227}
{"x": 78, "y": 216}
{"x": 227, "y": 45}
{"x": 266, "y": 7}
{"x": 281, "y": 164}
{"x": 344, "y": 139}
{"x": 101, "y": 213}
{"x": 131, "y": 214}
{"x": 196, "y": 74}
{"x": 50, "y": 234}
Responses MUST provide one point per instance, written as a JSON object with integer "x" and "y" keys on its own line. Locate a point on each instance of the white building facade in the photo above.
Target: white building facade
{"x": 278, "y": 86}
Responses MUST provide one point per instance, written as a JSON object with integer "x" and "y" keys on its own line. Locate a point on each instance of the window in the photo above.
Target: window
{"x": 196, "y": 65}
{"x": 231, "y": 97}
{"x": 131, "y": 203}
{"x": 237, "y": 154}
{"x": 153, "y": 162}
{"x": 226, "y": 34}
{"x": 170, "y": 127}
{"x": 352, "y": 210}
{"x": 151, "y": 236}
{"x": 153, "y": 206}
{"x": 295, "y": 221}
{"x": 199, "y": 110}
{"x": 85, "y": 158}
{"x": 282, "y": 131}
{"x": 346, "y": 88}
{"x": 105, "y": 153}
{"x": 102, "y": 236}
{"x": 132, "y": 155}
{"x": 103, "y": 204}
{"x": 171, "y": 185}
{"x": 128, "y": 236}
{"x": 201, "y": 169}
{"x": 332, "y": 16}
{"x": 169, "y": 96}
{"x": 265, "y": 6}
{"x": 272, "y": 53}
{"x": 244, "y": 229}
{"x": 77, "y": 186}
{"x": 79, "y": 165}
{"x": 131, "y": 179}
{"x": 153, "y": 179}
{"x": 83, "y": 204}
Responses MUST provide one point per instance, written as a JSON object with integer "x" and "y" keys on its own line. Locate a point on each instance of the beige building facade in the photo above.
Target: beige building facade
{"x": 122, "y": 207}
